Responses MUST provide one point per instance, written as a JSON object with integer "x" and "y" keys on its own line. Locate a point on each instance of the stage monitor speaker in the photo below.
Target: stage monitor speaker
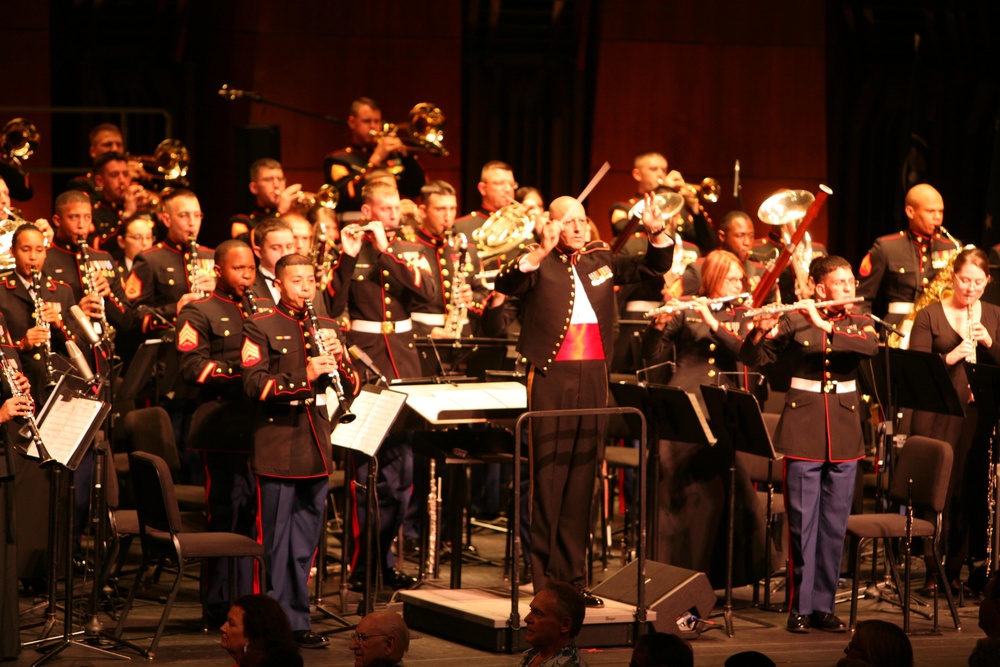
{"x": 675, "y": 594}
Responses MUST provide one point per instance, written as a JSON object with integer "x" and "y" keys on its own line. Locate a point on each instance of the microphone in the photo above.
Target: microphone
{"x": 360, "y": 355}
{"x": 76, "y": 356}
{"x": 85, "y": 325}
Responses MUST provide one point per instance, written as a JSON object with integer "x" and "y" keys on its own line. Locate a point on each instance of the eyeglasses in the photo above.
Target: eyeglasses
{"x": 845, "y": 283}
{"x": 139, "y": 237}
{"x": 975, "y": 284}
{"x": 734, "y": 280}
{"x": 362, "y": 637}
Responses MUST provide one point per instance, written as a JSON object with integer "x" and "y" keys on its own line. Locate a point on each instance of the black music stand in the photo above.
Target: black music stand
{"x": 451, "y": 353}
{"x": 738, "y": 423}
{"x": 376, "y": 409}
{"x": 672, "y": 414}
{"x": 984, "y": 380}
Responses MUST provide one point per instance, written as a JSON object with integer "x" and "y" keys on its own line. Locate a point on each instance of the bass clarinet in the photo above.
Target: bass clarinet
{"x": 346, "y": 415}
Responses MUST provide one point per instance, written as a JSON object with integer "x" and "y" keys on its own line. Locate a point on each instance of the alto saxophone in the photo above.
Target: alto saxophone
{"x": 36, "y": 297}
{"x": 457, "y": 309}
{"x": 103, "y": 329}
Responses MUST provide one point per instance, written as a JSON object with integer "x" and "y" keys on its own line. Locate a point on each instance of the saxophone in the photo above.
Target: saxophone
{"x": 457, "y": 310}
{"x": 36, "y": 297}
{"x": 103, "y": 329}
{"x": 937, "y": 289}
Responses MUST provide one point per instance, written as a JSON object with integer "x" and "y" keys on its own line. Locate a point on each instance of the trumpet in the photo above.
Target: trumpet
{"x": 779, "y": 308}
{"x": 327, "y": 197}
{"x": 678, "y": 306}
{"x": 346, "y": 415}
{"x": 423, "y": 130}
{"x": 708, "y": 189}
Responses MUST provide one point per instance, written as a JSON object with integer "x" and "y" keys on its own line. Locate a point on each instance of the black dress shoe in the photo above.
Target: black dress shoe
{"x": 396, "y": 580}
{"x": 827, "y": 622}
{"x": 798, "y": 623}
{"x": 309, "y": 639}
{"x": 592, "y": 601}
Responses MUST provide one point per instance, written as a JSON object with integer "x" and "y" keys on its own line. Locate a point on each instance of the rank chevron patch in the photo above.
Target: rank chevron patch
{"x": 250, "y": 354}
{"x": 187, "y": 338}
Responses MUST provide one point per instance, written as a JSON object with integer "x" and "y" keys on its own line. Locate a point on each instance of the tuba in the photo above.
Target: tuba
{"x": 785, "y": 209}
{"x": 18, "y": 140}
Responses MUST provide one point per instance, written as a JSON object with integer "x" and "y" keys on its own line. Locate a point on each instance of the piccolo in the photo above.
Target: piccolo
{"x": 677, "y": 306}
{"x": 779, "y": 308}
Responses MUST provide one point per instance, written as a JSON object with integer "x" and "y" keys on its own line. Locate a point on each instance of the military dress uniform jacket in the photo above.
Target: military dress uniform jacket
{"x": 820, "y": 425}
{"x": 700, "y": 353}
{"x": 19, "y": 311}
{"x": 382, "y": 290}
{"x": 63, "y": 264}
{"x": 442, "y": 262}
{"x": 159, "y": 279}
{"x": 346, "y": 169}
{"x": 209, "y": 340}
{"x": 107, "y": 219}
{"x": 292, "y": 431}
{"x": 898, "y": 268}
{"x": 550, "y": 288}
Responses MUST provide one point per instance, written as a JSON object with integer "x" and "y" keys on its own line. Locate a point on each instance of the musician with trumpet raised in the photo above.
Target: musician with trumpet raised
{"x": 273, "y": 197}
{"x": 121, "y": 198}
{"x": 285, "y": 376}
{"x": 819, "y": 432}
{"x": 370, "y": 148}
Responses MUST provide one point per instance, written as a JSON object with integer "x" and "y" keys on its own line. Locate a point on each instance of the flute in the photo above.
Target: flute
{"x": 778, "y": 308}
{"x": 677, "y": 306}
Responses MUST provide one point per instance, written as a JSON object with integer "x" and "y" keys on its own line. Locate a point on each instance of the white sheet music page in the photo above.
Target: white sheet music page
{"x": 65, "y": 426}
{"x": 376, "y": 411}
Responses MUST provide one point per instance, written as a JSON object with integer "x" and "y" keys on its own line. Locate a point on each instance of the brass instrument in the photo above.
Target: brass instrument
{"x": 506, "y": 229}
{"x": 36, "y": 298}
{"x": 10, "y": 374}
{"x": 346, "y": 416}
{"x": 939, "y": 288}
{"x": 101, "y": 327}
{"x": 785, "y": 209}
{"x": 678, "y": 306}
{"x": 708, "y": 189}
{"x": 192, "y": 266}
{"x": 457, "y": 311}
{"x": 169, "y": 162}
{"x": 327, "y": 197}
{"x": 669, "y": 202}
{"x": 779, "y": 308}
{"x": 423, "y": 130}
{"x": 947, "y": 235}
{"x": 7, "y": 229}
{"x": 18, "y": 140}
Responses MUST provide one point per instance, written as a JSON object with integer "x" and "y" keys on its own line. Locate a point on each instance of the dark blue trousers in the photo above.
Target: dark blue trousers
{"x": 291, "y": 522}
{"x": 818, "y": 499}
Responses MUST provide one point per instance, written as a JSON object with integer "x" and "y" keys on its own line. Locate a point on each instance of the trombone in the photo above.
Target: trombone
{"x": 169, "y": 162}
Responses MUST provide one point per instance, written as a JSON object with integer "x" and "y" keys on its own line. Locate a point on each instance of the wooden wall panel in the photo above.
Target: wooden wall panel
{"x": 706, "y": 92}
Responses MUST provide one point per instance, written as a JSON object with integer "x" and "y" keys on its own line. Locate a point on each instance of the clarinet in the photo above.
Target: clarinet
{"x": 192, "y": 266}
{"x": 457, "y": 311}
{"x": 346, "y": 415}
{"x": 251, "y": 303}
{"x": 9, "y": 372}
{"x": 36, "y": 292}
{"x": 102, "y": 327}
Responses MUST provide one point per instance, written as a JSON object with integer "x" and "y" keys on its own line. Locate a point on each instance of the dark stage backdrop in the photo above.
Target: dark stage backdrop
{"x": 801, "y": 93}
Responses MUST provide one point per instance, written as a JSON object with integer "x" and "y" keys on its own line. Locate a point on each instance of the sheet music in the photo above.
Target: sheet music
{"x": 709, "y": 435}
{"x": 65, "y": 426}
{"x": 376, "y": 412}
{"x": 463, "y": 403}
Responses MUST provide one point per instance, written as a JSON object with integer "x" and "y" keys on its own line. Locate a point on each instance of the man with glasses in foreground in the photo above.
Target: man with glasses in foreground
{"x": 382, "y": 638}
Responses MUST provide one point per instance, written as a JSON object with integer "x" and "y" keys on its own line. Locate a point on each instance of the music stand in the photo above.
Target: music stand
{"x": 920, "y": 381}
{"x": 140, "y": 370}
{"x": 460, "y": 350}
{"x": 738, "y": 423}
{"x": 67, "y": 423}
{"x": 376, "y": 409}
{"x": 672, "y": 414}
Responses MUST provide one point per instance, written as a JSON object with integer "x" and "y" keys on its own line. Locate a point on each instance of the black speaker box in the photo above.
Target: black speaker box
{"x": 675, "y": 594}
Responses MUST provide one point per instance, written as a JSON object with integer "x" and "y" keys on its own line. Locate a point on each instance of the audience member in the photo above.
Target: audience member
{"x": 659, "y": 649}
{"x": 989, "y": 609}
{"x": 986, "y": 653}
{"x": 880, "y": 644}
{"x": 749, "y": 659}
{"x": 555, "y": 619}
{"x": 256, "y": 618}
{"x": 382, "y": 638}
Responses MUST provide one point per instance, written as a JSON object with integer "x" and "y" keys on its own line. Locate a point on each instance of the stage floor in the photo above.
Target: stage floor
{"x": 186, "y": 644}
